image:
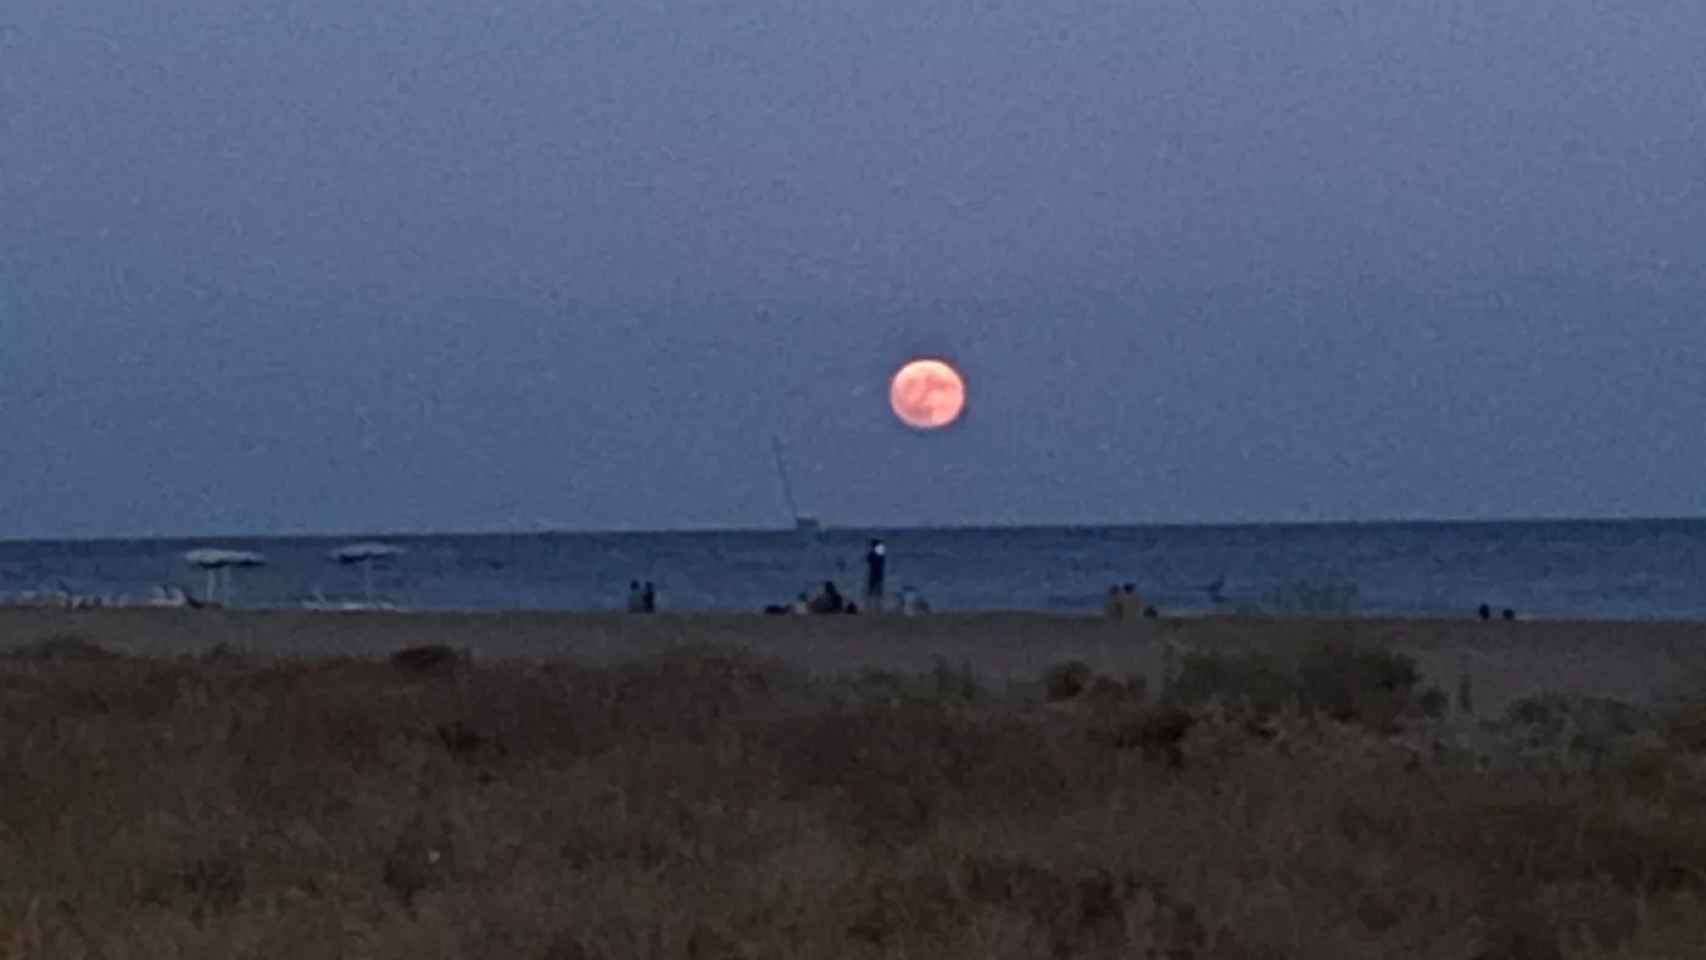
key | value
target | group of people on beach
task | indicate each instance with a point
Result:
(1123, 603)
(830, 600)
(642, 599)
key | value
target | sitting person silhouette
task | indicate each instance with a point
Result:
(829, 600)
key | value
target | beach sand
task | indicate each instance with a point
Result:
(1635, 662)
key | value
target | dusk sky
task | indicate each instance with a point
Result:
(420, 265)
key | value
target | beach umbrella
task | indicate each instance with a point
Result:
(366, 553)
(216, 559)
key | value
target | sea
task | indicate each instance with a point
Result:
(1604, 569)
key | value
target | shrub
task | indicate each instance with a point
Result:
(1351, 684)
(434, 659)
(1064, 681)
(1433, 702)
(62, 646)
(1367, 685)
(953, 684)
(1256, 681)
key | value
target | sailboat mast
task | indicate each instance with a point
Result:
(787, 486)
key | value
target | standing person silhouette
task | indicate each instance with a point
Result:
(876, 568)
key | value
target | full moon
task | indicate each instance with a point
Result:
(927, 394)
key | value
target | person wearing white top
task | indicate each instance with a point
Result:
(876, 564)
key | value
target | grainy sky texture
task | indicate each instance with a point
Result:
(346, 265)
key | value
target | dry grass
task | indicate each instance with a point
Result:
(711, 804)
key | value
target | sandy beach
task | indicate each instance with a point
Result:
(1636, 662)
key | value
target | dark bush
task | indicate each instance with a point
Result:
(1364, 685)
(1064, 681)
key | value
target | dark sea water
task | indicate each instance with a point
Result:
(1635, 569)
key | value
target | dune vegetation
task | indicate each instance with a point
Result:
(710, 803)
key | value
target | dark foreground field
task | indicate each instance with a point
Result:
(707, 803)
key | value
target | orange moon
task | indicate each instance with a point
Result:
(927, 394)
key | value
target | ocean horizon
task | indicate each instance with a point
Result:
(977, 526)
(1615, 568)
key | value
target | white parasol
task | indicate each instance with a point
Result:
(216, 559)
(366, 553)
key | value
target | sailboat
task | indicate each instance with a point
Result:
(804, 524)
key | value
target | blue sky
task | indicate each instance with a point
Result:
(411, 266)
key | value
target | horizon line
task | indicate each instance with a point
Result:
(830, 528)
